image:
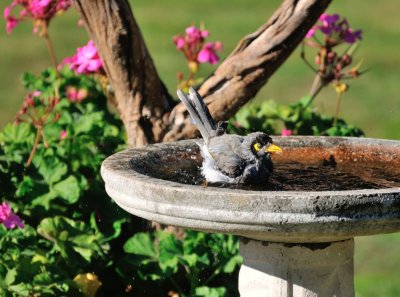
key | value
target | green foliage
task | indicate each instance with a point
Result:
(300, 117)
(198, 264)
(72, 227)
(26, 268)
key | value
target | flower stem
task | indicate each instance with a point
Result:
(338, 101)
(50, 47)
(35, 144)
(317, 86)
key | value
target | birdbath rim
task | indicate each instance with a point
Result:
(281, 216)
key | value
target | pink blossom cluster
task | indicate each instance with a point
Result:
(194, 47)
(86, 60)
(76, 94)
(36, 109)
(42, 11)
(9, 219)
(336, 29)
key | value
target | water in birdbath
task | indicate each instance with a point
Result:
(294, 170)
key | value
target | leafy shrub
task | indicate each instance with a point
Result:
(300, 118)
(73, 228)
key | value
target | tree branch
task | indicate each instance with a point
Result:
(251, 64)
(143, 102)
(141, 97)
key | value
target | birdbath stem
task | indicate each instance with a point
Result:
(300, 270)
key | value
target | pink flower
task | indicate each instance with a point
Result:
(42, 11)
(76, 95)
(63, 134)
(328, 22)
(193, 47)
(179, 41)
(11, 21)
(194, 34)
(207, 54)
(86, 60)
(9, 219)
(311, 32)
(351, 36)
(335, 29)
(286, 132)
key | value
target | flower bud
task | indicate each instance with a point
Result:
(179, 76)
(317, 60)
(330, 57)
(346, 60)
(193, 66)
(338, 75)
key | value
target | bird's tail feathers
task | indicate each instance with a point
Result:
(199, 112)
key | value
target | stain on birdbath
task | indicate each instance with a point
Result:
(298, 229)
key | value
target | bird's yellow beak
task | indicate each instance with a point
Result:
(273, 148)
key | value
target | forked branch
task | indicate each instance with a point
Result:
(146, 109)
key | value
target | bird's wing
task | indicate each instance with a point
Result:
(224, 150)
(199, 113)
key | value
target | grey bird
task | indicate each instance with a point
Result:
(229, 158)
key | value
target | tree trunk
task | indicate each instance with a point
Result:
(146, 108)
(141, 97)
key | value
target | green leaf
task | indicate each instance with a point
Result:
(232, 264)
(25, 186)
(50, 168)
(10, 276)
(20, 289)
(169, 251)
(87, 122)
(68, 189)
(75, 240)
(45, 200)
(210, 292)
(141, 244)
(17, 133)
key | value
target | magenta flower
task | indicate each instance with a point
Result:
(335, 29)
(286, 132)
(86, 60)
(194, 34)
(351, 36)
(11, 21)
(9, 219)
(193, 46)
(41, 11)
(328, 23)
(207, 54)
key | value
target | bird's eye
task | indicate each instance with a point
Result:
(257, 146)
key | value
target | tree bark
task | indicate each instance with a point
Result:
(251, 64)
(141, 98)
(146, 108)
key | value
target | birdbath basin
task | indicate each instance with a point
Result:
(297, 230)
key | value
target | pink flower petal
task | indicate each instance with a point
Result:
(286, 132)
(8, 218)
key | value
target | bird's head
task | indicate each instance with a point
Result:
(261, 145)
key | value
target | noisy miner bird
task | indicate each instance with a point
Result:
(229, 158)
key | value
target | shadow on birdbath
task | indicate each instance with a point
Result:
(297, 230)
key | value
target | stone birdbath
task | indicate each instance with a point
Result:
(297, 232)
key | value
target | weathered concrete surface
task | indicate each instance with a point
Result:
(269, 216)
(300, 270)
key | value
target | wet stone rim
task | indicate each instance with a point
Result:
(274, 216)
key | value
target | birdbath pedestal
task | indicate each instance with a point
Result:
(294, 243)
